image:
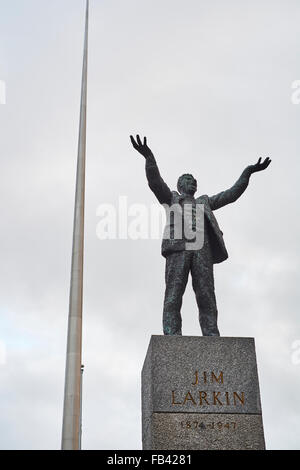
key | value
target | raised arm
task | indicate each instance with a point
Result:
(233, 193)
(155, 181)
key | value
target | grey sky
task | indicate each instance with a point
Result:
(209, 83)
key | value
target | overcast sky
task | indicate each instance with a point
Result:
(209, 83)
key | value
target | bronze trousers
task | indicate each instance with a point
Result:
(178, 266)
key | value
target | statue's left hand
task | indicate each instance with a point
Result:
(260, 166)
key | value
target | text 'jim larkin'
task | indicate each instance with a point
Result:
(201, 397)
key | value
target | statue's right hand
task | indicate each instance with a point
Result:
(142, 148)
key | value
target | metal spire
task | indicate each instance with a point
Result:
(72, 395)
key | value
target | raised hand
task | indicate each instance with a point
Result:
(142, 148)
(260, 166)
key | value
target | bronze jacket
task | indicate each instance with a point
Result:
(168, 197)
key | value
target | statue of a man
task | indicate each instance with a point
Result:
(181, 261)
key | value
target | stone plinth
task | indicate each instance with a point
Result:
(201, 393)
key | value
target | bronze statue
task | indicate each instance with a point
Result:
(181, 261)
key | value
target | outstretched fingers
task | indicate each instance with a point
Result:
(133, 142)
(262, 165)
(137, 143)
(267, 162)
(138, 140)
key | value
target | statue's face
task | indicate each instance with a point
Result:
(188, 185)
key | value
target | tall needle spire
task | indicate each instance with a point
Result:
(72, 398)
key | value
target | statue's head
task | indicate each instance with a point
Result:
(187, 184)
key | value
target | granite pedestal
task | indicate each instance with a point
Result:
(201, 393)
